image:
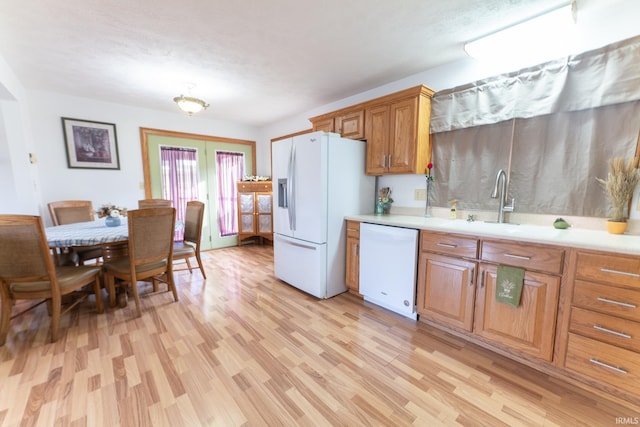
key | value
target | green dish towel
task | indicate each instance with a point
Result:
(509, 285)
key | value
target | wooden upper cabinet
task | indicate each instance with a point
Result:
(395, 126)
(325, 125)
(397, 133)
(402, 135)
(377, 130)
(349, 123)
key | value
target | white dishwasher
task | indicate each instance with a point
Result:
(388, 264)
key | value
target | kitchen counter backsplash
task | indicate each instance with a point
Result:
(587, 233)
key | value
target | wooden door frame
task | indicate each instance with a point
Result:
(144, 142)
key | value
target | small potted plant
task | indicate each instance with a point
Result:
(383, 205)
(620, 185)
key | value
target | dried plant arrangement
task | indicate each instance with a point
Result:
(620, 185)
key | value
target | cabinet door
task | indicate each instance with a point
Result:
(403, 136)
(246, 203)
(351, 125)
(377, 134)
(528, 328)
(352, 276)
(263, 211)
(325, 125)
(446, 290)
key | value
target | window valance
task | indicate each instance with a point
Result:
(601, 77)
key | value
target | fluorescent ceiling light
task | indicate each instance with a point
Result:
(549, 34)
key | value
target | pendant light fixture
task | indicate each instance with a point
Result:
(190, 104)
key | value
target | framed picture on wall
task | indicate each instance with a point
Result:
(90, 145)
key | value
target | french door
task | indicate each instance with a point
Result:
(206, 148)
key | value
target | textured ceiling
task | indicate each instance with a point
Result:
(254, 61)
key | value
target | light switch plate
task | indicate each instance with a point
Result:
(420, 194)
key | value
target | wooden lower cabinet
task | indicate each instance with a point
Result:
(447, 292)
(528, 328)
(602, 326)
(450, 294)
(603, 362)
(578, 317)
(352, 266)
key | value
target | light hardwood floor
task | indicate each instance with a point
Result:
(244, 349)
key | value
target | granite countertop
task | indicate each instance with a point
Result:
(571, 237)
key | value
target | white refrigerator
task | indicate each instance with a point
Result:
(318, 179)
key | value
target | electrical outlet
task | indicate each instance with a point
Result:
(420, 194)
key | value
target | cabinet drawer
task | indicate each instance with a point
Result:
(353, 229)
(613, 269)
(532, 257)
(604, 362)
(607, 299)
(449, 244)
(257, 186)
(602, 327)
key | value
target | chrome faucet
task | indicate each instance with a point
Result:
(503, 196)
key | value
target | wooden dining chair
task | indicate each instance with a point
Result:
(70, 212)
(190, 246)
(150, 253)
(27, 272)
(154, 203)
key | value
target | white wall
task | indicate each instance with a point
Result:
(123, 187)
(18, 178)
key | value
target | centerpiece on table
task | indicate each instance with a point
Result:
(112, 214)
(620, 185)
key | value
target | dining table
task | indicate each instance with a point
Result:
(92, 233)
(113, 240)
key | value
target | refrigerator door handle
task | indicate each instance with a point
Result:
(290, 190)
(299, 245)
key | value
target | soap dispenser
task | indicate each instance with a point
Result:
(454, 208)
